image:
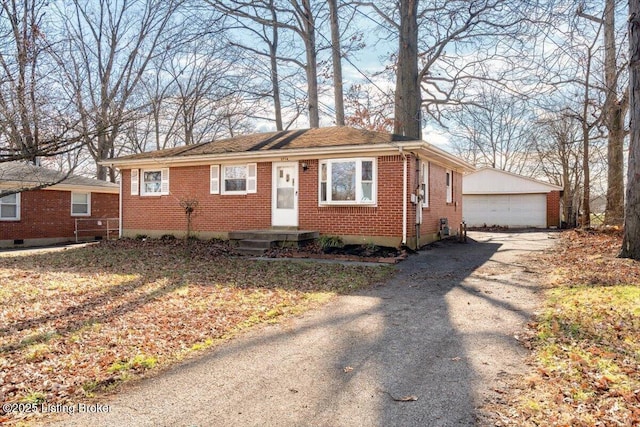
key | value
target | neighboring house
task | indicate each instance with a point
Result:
(495, 197)
(48, 215)
(339, 181)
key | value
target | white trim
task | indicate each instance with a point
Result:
(284, 217)
(164, 185)
(17, 204)
(551, 187)
(27, 186)
(250, 178)
(120, 209)
(88, 194)
(449, 185)
(405, 216)
(358, 190)
(164, 182)
(435, 155)
(214, 179)
(425, 182)
(135, 182)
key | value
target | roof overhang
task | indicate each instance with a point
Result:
(420, 148)
(61, 187)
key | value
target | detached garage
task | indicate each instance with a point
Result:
(495, 197)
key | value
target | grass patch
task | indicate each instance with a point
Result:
(74, 323)
(586, 342)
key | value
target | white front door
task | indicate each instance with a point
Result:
(284, 197)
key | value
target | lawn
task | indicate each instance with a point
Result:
(76, 323)
(585, 341)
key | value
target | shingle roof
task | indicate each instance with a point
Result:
(33, 175)
(289, 139)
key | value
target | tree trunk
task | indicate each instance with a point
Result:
(631, 241)
(408, 120)
(614, 123)
(586, 194)
(275, 83)
(312, 63)
(586, 189)
(275, 78)
(337, 63)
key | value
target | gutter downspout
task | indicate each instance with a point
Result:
(404, 198)
(418, 203)
(120, 210)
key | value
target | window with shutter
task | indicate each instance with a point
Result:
(155, 182)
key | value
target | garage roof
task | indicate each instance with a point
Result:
(495, 181)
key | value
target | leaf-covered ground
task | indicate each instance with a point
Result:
(78, 322)
(586, 341)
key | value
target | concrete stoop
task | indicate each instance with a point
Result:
(257, 242)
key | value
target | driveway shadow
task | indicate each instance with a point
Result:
(425, 349)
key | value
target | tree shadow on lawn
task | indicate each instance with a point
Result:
(180, 265)
(415, 351)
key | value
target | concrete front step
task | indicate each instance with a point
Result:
(257, 242)
(251, 251)
(276, 235)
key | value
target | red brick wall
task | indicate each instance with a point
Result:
(553, 209)
(47, 214)
(438, 206)
(385, 219)
(219, 213)
(214, 213)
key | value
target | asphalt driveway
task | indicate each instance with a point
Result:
(426, 349)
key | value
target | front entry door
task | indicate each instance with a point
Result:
(285, 195)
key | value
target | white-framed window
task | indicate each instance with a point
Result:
(80, 204)
(424, 184)
(155, 182)
(238, 179)
(347, 181)
(449, 183)
(10, 207)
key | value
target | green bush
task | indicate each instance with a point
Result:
(326, 242)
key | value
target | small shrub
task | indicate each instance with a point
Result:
(326, 242)
(369, 249)
(141, 237)
(167, 237)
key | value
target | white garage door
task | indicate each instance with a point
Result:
(511, 210)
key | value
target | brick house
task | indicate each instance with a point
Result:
(49, 215)
(361, 185)
(496, 197)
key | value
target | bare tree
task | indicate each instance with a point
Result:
(445, 44)
(295, 16)
(614, 111)
(631, 240)
(559, 148)
(496, 129)
(110, 47)
(336, 59)
(571, 65)
(368, 108)
(33, 120)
